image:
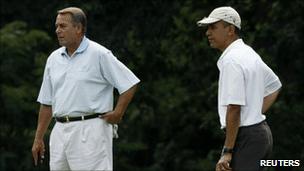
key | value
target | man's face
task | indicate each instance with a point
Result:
(217, 34)
(66, 31)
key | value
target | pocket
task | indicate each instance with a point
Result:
(79, 74)
(84, 68)
(93, 139)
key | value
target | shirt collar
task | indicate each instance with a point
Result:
(82, 47)
(231, 46)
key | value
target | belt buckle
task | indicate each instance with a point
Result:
(67, 118)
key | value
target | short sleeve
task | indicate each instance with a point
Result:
(272, 82)
(45, 94)
(232, 85)
(116, 73)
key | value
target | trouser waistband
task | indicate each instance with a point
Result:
(250, 126)
(65, 119)
(254, 125)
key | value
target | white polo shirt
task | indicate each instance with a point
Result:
(244, 80)
(83, 83)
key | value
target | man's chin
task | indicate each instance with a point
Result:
(61, 43)
(212, 46)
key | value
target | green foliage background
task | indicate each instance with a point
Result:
(172, 124)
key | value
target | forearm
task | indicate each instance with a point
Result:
(124, 100)
(232, 124)
(44, 119)
(269, 100)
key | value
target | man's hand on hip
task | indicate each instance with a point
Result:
(112, 117)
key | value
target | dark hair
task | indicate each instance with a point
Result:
(238, 32)
(78, 16)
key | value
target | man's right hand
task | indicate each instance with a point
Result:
(38, 150)
(224, 163)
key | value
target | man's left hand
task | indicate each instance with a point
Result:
(112, 117)
(224, 163)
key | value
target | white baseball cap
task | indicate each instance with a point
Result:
(226, 14)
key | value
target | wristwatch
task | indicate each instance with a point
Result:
(227, 150)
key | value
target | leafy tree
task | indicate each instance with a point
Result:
(22, 61)
(172, 124)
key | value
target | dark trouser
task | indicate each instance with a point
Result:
(253, 144)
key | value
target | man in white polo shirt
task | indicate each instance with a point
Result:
(247, 88)
(77, 90)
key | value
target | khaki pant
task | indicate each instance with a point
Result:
(81, 145)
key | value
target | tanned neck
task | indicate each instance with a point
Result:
(71, 49)
(229, 41)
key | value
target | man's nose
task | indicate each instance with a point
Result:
(57, 30)
(207, 33)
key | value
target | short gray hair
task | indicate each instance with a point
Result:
(78, 16)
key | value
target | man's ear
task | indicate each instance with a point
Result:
(231, 30)
(79, 28)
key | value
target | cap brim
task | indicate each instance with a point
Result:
(206, 21)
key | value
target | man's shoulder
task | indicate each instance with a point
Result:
(241, 52)
(96, 47)
(56, 54)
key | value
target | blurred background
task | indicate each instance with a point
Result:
(172, 123)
